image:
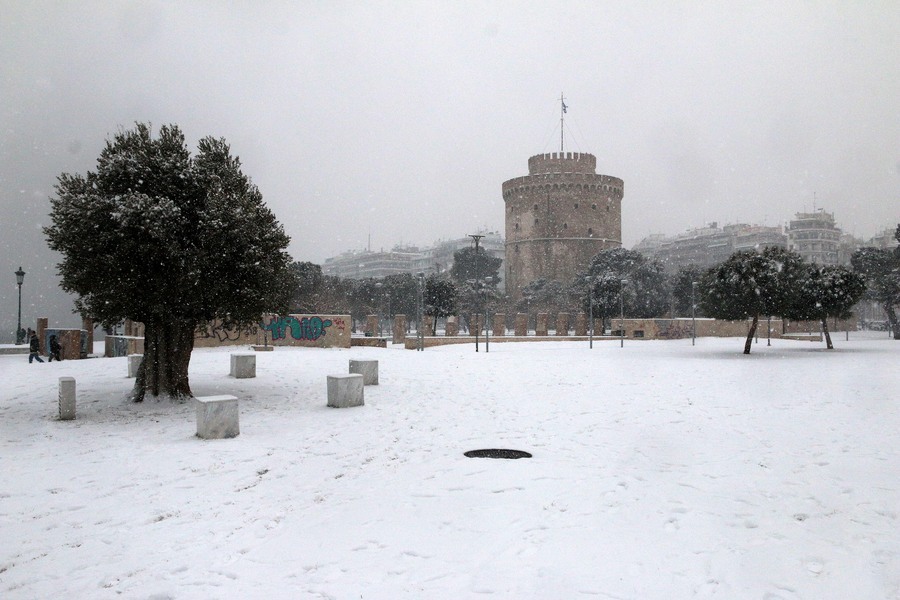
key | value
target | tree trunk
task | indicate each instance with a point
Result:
(892, 320)
(828, 344)
(750, 335)
(167, 355)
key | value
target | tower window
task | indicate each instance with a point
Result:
(565, 225)
(536, 221)
(590, 231)
(535, 207)
(607, 208)
(517, 248)
(594, 206)
(517, 226)
(576, 205)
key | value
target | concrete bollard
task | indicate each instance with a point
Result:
(345, 390)
(367, 368)
(134, 363)
(66, 398)
(217, 417)
(243, 366)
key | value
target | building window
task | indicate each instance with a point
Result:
(535, 207)
(576, 205)
(590, 231)
(517, 226)
(535, 221)
(565, 225)
(517, 248)
(594, 206)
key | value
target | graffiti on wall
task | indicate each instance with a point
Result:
(224, 332)
(307, 328)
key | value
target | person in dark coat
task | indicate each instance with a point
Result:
(54, 349)
(34, 347)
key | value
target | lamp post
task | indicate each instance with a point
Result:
(487, 335)
(590, 281)
(477, 238)
(20, 278)
(379, 286)
(622, 315)
(693, 313)
(420, 311)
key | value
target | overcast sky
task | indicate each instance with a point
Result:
(401, 120)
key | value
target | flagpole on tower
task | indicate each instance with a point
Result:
(562, 112)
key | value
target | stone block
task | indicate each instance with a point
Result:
(134, 363)
(372, 325)
(367, 368)
(243, 366)
(521, 324)
(217, 417)
(66, 398)
(499, 325)
(540, 328)
(399, 333)
(562, 324)
(581, 324)
(345, 390)
(476, 324)
(452, 326)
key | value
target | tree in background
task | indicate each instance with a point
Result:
(682, 290)
(309, 288)
(440, 299)
(644, 295)
(173, 241)
(543, 295)
(881, 269)
(750, 284)
(829, 291)
(400, 291)
(467, 267)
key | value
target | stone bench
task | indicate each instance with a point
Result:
(243, 366)
(217, 417)
(66, 398)
(134, 363)
(367, 368)
(345, 390)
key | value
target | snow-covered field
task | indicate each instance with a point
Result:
(660, 471)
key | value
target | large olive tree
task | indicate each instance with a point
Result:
(156, 235)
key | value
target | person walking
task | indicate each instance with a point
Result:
(34, 347)
(55, 349)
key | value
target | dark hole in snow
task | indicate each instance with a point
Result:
(497, 453)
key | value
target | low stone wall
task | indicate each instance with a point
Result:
(368, 342)
(122, 345)
(315, 331)
(73, 342)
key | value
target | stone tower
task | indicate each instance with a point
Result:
(558, 217)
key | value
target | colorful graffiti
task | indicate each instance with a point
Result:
(307, 328)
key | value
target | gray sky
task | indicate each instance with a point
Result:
(402, 119)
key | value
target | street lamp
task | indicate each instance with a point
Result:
(590, 281)
(420, 311)
(20, 277)
(477, 238)
(693, 313)
(487, 335)
(622, 313)
(378, 286)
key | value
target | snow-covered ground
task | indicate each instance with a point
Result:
(660, 470)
